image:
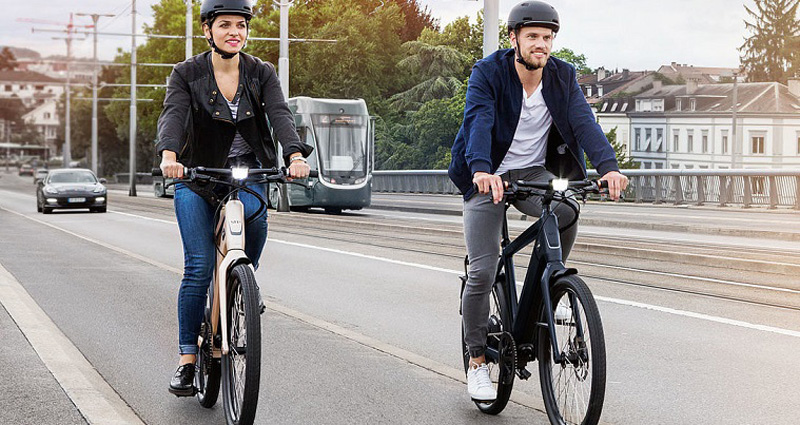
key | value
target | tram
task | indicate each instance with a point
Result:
(343, 136)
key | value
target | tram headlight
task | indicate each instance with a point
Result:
(239, 173)
(560, 185)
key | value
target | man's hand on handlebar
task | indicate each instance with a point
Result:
(170, 167)
(616, 183)
(489, 183)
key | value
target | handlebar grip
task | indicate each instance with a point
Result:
(313, 173)
(602, 184)
(156, 172)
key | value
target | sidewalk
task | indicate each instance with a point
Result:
(31, 395)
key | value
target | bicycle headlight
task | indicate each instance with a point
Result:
(239, 173)
(560, 185)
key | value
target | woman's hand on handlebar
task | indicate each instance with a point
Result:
(298, 169)
(616, 183)
(489, 183)
(170, 167)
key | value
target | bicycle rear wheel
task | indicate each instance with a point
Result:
(573, 389)
(206, 378)
(500, 351)
(241, 367)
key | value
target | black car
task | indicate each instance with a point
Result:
(71, 188)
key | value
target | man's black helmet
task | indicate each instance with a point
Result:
(212, 8)
(533, 13)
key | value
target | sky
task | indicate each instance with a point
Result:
(632, 34)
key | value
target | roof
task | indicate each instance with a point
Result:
(769, 97)
(26, 77)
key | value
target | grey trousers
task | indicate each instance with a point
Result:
(483, 224)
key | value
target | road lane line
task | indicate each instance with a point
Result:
(95, 399)
(683, 313)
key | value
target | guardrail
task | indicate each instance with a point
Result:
(758, 187)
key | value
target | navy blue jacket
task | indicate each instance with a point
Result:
(491, 114)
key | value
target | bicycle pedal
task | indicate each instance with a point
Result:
(523, 373)
(184, 393)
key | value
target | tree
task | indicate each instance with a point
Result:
(578, 61)
(7, 59)
(623, 160)
(437, 66)
(768, 53)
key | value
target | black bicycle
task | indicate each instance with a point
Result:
(555, 320)
(230, 334)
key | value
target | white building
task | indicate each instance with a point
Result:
(30, 87)
(44, 118)
(691, 126)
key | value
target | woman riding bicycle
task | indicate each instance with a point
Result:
(215, 115)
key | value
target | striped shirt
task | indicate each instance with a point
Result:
(239, 146)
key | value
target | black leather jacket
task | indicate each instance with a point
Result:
(196, 122)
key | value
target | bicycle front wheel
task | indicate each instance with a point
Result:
(574, 388)
(241, 367)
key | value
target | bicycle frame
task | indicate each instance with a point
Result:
(545, 266)
(230, 240)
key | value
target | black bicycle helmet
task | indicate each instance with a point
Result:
(211, 8)
(533, 13)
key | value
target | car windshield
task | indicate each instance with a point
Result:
(73, 177)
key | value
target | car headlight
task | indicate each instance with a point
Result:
(99, 189)
(50, 190)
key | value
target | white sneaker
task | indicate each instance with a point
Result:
(479, 384)
(563, 314)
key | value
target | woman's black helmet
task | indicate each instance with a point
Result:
(533, 13)
(211, 8)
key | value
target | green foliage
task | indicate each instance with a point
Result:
(769, 53)
(7, 59)
(439, 68)
(578, 61)
(625, 162)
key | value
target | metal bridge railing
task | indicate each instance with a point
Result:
(757, 187)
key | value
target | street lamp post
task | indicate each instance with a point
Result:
(95, 17)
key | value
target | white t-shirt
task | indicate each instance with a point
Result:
(529, 146)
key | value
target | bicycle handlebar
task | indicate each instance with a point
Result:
(201, 173)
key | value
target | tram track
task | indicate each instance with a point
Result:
(748, 281)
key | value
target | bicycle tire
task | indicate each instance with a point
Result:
(207, 375)
(502, 376)
(584, 360)
(241, 367)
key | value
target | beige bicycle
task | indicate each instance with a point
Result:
(230, 334)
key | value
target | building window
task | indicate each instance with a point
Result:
(758, 144)
(724, 142)
(588, 91)
(647, 140)
(47, 115)
(678, 104)
(659, 140)
(676, 141)
(693, 104)
(605, 106)
(39, 88)
(705, 141)
(658, 105)
(690, 142)
(7, 87)
(599, 91)
(637, 138)
(625, 107)
(798, 142)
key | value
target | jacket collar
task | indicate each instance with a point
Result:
(216, 103)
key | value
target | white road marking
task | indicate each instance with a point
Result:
(91, 394)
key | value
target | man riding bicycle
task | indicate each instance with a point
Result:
(215, 115)
(525, 118)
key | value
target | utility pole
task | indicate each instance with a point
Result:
(132, 141)
(283, 76)
(491, 16)
(735, 146)
(95, 17)
(189, 25)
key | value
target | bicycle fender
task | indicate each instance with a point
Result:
(562, 272)
(232, 258)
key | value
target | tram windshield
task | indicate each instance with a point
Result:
(342, 147)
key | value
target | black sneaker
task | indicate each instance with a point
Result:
(182, 384)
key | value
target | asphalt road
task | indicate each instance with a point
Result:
(362, 333)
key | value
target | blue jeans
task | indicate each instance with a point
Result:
(196, 223)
